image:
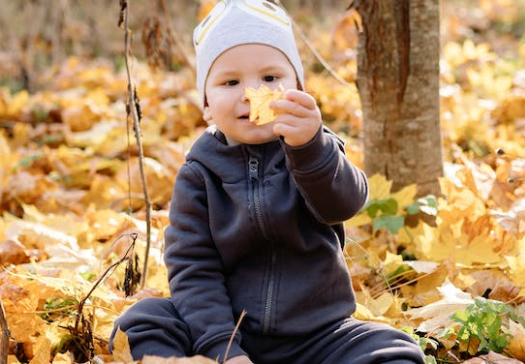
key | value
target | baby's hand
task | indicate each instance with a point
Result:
(239, 359)
(299, 118)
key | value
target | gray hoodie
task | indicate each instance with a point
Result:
(259, 228)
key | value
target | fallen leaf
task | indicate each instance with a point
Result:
(42, 354)
(12, 252)
(379, 187)
(517, 267)
(493, 282)
(516, 346)
(121, 348)
(493, 358)
(437, 314)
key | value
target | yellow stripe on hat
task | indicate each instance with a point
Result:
(266, 13)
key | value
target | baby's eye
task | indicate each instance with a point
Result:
(269, 78)
(231, 83)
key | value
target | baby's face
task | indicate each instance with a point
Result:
(248, 65)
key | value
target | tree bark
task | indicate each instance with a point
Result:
(398, 82)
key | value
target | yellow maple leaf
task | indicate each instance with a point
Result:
(379, 187)
(405, 197)
(122, 350)
(377, 306)
(436, 244)
(260, 98)
(517, 266)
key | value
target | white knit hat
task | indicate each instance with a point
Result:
(234, 22)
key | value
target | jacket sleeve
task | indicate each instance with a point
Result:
(195, 270)
(334, 189)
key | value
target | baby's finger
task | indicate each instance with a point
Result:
(302, 98)
(289, 107)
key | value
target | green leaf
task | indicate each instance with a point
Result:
(412, 209)
(391, 223)
(386, 206)
(460, 316)
(389, 206)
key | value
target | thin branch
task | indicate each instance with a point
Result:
(314, 51)
(6, 334)
(133, 109)
(101, 279)
(174, 37)
(243, 313)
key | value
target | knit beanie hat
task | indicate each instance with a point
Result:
(234, 22)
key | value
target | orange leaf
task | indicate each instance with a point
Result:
(260, 98)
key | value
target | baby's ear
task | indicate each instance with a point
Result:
(206, 115)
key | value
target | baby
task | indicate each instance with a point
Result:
(256, 218)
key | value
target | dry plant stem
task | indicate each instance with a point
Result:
(174, 37)
(136, 128)
(316, 54)
(101, 279)
(243, 313)
(59, 17)
(4, 342)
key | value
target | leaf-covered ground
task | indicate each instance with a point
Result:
(450, 270)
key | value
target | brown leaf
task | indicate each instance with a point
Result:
(12, 252)
(495, 283)
(495, 358)
(476, 360)
(516, 347)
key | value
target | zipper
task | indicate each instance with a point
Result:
(270, 292)
(253, 169)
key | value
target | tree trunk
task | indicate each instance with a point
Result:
(398, 82)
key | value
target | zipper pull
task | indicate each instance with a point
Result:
(253, 167)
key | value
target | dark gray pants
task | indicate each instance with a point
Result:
(154, 327)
